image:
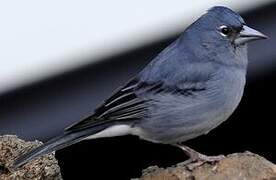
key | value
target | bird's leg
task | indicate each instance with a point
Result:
(198, 157)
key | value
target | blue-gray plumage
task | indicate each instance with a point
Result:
(187, 90)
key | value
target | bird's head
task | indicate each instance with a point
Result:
(230, 27)
(219, 31)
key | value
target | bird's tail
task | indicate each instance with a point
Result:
(57, 143)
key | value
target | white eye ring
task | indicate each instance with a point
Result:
(224, 30)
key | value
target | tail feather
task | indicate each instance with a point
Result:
(57, 143)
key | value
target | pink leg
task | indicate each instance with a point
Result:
(198, 157)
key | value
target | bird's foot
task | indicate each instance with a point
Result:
(197, 159)
(204, 158)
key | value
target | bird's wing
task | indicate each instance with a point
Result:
(132, 102)
(123, 105)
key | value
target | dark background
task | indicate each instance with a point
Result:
(42, 110)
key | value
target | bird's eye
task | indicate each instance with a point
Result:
(224, 30)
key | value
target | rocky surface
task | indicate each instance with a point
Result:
(43, 168)
(238, 166)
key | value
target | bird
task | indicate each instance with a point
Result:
(187, 90)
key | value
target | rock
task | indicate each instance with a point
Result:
(43, 168)
(237, 166)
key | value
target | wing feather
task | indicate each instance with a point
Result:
(131, 102)
(124, 104)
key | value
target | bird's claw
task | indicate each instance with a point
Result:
(210, 159)
(197, 159)
(194, 162)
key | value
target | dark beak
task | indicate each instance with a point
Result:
(248, 34)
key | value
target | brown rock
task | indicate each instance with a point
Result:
(237, 166)
(43, 168)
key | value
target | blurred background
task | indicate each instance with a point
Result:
(60, 59)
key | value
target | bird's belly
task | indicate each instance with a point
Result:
(179, 125)
(230, 98)
(172, 134)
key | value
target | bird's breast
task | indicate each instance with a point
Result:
(229, 91)
(231, 87)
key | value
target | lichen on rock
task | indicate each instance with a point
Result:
(43, 168)
(238, 166)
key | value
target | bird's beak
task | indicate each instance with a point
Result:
(248, 34)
